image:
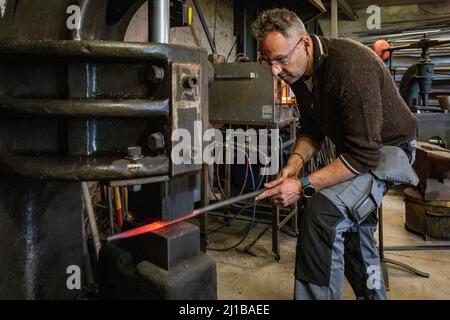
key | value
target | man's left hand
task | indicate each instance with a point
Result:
(283, 191)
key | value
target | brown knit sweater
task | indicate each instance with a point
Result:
(354, 101)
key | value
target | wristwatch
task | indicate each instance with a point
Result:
(307, 187)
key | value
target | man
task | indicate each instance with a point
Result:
(345, 92)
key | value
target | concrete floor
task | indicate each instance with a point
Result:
(247, 277)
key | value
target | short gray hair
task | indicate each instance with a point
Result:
(281, 20)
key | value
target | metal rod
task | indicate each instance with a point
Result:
(205, 26)
(380, 232)
(162, 224)
(418, 248)
(110, 209)
(287, 218)
(159, 21)
(221, 204)
(133, 182)
(91, 217)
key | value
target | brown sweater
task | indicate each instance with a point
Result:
(355, 102)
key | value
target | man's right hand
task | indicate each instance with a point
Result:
(289, 171)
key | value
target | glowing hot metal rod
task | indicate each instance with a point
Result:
(162, 224)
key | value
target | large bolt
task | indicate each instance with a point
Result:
(189, 82)
(155, 74)
(134, 153)
(156, 142)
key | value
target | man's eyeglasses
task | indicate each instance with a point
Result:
(283, 59)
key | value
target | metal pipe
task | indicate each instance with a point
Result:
(98, 168)
(334, 18)
(91, 217)
(129, 108)
(159, 21)
(86, 50)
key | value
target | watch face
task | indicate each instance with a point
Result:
(309, 191)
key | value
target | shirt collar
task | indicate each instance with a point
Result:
(320, 51)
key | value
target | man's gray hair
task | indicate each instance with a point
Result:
(281, 20)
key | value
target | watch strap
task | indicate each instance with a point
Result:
(305, 181)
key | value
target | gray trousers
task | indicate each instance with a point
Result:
(353, 251)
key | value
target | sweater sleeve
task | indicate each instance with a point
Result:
(362, 116)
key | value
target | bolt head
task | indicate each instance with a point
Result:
(156, 142)
(134, 152)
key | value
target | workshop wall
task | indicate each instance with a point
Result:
(218, 15)
(393, 19)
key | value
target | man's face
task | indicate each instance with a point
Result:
(286, 56)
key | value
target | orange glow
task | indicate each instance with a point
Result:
(282, 93)
(150, 227)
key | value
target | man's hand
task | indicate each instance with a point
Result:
(283, 191)
(289, 171)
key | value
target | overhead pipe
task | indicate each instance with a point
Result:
(334, 18)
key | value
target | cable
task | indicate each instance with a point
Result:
(224, 224)
(208, 173)
(250, 226)
(215, 22)
(218, 175)
(220, 185)
(261, 180)
(229, 53)
(245, 206)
